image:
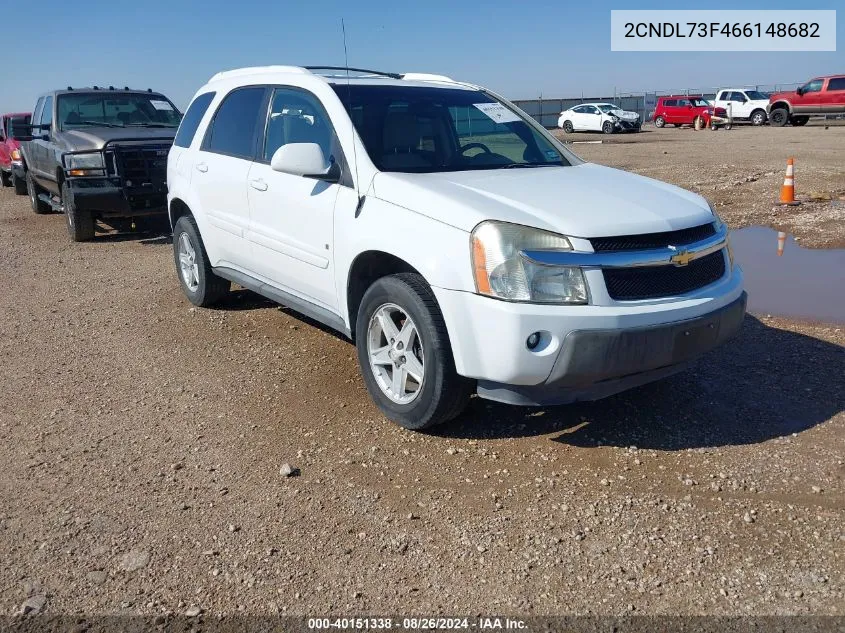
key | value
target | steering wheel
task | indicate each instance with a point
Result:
(481, 146)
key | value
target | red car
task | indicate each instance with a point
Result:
(822, 95)
(683, 110)
(12, 128)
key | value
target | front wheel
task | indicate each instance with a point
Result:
(758, 117)
(5, 179)
(779, 117)
(199, 283)
(19, 185)
(405, 355)
(80, 224)
(659, 122)
(607, 127)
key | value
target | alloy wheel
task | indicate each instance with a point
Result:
(396, 354)
(188, 263)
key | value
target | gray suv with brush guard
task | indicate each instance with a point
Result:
(98, 153)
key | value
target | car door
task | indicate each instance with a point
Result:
(833, 96)
(5, 158)
(220, 172)
(291, 216)
(38, 153)
(808, 101)
(592, 118)
(669, 110)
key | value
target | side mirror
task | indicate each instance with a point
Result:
(306, 160)
(800, 91)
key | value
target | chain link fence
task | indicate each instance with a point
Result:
(546, 111)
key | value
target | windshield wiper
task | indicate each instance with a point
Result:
(97, 123)
(528, 165)
(145, 124)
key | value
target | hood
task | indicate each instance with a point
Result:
(586, 200)
(96, 137)
(625, 115)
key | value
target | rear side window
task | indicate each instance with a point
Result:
(670, 103)
(837, 83)
(233, 129)
(191, 120)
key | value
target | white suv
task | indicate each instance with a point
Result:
(460, 245)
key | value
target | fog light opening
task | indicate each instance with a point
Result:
(532, 341)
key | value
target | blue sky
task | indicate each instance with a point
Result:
(520, 49)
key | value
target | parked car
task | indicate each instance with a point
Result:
(456, 241)
(598, 117)
(13, 127)
(681, 110)
(99, 153)
(822, 95)
(745, 105)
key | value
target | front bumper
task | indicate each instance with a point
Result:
(488, 339)
(106, 198)
(627, 126)
(595, 364)
(18, 170)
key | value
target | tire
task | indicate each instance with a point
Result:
(779, 117)
(203, 288)
(19, 185)
(5, 179)
(607, 127)
(80, 224)
(38, 205)
(567, 127)
(758, 117)
(659, 121)
(798, 121)
(400, 307)
(728, 126)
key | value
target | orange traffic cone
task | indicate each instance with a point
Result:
(787, 191)
(781, 242)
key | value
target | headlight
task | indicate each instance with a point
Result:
(16, 154)
(718, 224)
(503, 271)
(84, 162)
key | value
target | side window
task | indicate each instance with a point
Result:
(191, 120)
(683, 103)
(738, 96)
(670, 103)
(592, 110)
(813, 86)
(47, 112)
(36, 114)
(836, 83)
(724, 96)
(232, 131)
(296, 117)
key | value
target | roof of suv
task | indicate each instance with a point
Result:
(337, 75)
(99, 89)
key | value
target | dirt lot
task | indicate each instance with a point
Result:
(142, 441)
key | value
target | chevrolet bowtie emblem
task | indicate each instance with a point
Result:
(681, 259)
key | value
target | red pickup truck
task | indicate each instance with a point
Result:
(822, 95)
(12, 127)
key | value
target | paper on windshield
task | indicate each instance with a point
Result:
(161, 105)
(497, 112)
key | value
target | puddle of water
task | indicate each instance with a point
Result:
(804, 283)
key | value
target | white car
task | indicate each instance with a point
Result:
(743, 105)
(598, 117)
(460, 245)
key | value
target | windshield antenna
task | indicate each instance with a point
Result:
(351, 122)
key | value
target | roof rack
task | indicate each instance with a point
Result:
(345, 69)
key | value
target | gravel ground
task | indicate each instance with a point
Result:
(741, 171)
(147, 447)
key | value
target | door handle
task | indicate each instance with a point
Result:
(202, 167)
(258, 183)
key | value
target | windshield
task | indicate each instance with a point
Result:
(116, 110)
(608, 107)
(428, 129)
(754, 95)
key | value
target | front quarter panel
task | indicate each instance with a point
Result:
(438, 251)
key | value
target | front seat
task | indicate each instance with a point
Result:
(401, 139)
